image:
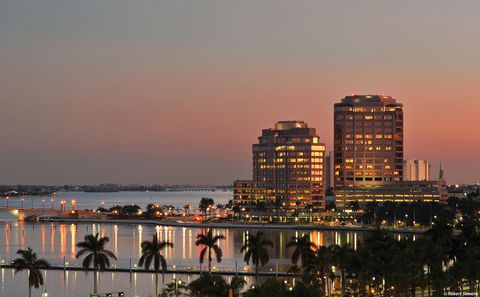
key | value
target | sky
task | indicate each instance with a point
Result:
(151, 91)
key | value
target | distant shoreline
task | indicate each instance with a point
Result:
(237, 225)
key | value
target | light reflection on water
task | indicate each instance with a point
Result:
(57, 241)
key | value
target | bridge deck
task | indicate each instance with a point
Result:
(171, 271)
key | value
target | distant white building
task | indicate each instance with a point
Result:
(416, 170)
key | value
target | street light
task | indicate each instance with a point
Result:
(51, 200)
(43, 204)
(8, 198)
(22, 202)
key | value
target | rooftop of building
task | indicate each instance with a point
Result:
(369, 99)
(287, 125)
(289, 129)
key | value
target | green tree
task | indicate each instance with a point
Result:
(321, 265)
(255, 248)
(209, 242)
(28, 261)
(271, 287)
(206, 203)
(208, 285)
(97, 255)
(341, 255)
(378, 250)
(151, 252)
(174, 289)
(303, 249)
(236, 285)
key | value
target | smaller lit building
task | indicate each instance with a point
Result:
(416, 170)
(246, 193)
(456, 191)
(405, 191)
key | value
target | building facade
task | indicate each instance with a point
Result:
(329, 171)
(416, 170)
(368, 141)
(400, 192)
(368, 149)
(288, 171)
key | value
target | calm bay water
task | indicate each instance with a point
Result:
(94, 200)
(56, 243)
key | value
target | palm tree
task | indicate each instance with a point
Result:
(322, 263)
(236, 285)
(95, 248)
(210, 243)
(255, 249)
(28, 261)
(151, 251)
(304, 249)
(341, 256)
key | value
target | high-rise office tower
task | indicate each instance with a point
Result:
(416, 170)
(288, 170)
(288, 162)
(368, 141)
(368, 148)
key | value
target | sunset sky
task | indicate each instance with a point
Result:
(154, 91)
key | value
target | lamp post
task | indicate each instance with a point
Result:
(22, 202)
(43, 204)
(73, 204)
(8, 198)
(62, 205)
(51, 200)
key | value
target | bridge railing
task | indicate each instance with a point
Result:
(229, 266)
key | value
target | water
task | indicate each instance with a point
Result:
(56, 242)
(94, 200)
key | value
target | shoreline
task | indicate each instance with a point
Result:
(237, 225)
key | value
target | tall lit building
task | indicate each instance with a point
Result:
(368, 141)
(288, 171)
(368, 148)
(416, 170)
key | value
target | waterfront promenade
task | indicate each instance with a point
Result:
(243, 225)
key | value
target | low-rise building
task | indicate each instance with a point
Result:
(404, 191)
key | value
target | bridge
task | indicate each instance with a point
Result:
(25, 213)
